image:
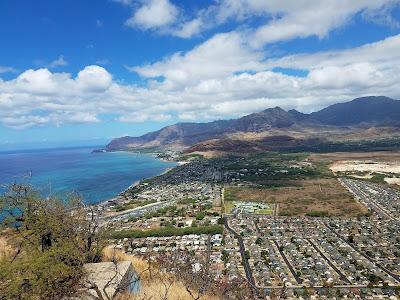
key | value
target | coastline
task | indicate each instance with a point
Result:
(137, 182)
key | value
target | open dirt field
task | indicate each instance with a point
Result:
(377, 156)
(393, 180)
(365, 166)
(314, 197)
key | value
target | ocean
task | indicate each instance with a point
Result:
(94, 176)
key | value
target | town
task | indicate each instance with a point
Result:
(314, 255)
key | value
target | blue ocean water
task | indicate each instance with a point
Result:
(95, 176)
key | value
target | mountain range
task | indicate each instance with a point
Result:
(364, 117)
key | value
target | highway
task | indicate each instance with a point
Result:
(137, 212)
(366, 193)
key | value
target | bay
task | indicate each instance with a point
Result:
(95, 176)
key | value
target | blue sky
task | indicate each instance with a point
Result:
(83, 72)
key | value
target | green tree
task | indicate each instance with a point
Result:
(52, 239)
(200, 215)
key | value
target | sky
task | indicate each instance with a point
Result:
(77, 72)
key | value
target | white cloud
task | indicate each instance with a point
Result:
(280, 20)
(153, 14)
(310, 18)
(360, 75)
(188, 29)
(220, 78)
(4, 69)
(124, 2)
(219, 56)
(94, 78)
(385, 52)
(142, 117)
(227, 75)
(59, 62)
(383, 16)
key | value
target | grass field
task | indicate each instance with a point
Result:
(314, 197)
(230, 196)
(229, 206)
(264, 211)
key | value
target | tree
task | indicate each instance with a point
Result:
(350, 239)
(52, 239)
(200, 215)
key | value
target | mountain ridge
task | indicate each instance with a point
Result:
(369, 111)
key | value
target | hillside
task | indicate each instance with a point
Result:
(370, 110)
(363, 112)
(182, 135)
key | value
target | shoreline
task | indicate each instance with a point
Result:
(104, 203)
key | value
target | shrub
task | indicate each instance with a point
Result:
(167, 231)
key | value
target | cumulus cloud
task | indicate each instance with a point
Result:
(385, 52)
(280, 20)
(93, 78)
(221, 78)
(219, 56)
(153, 14)
(227, 75)
(308, 18)
(188, 29)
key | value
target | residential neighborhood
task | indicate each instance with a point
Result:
(291, 256)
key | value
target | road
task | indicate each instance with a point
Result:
(292, 270)
(137, 212)
(247, 269)
(298, 279)
(342, 276)
(257, 228)
(276, 209)
(365, 197)
(393, 275)
(217, 200)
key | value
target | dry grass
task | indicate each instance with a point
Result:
(6, 248)
(322, 195)
(155, 284)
